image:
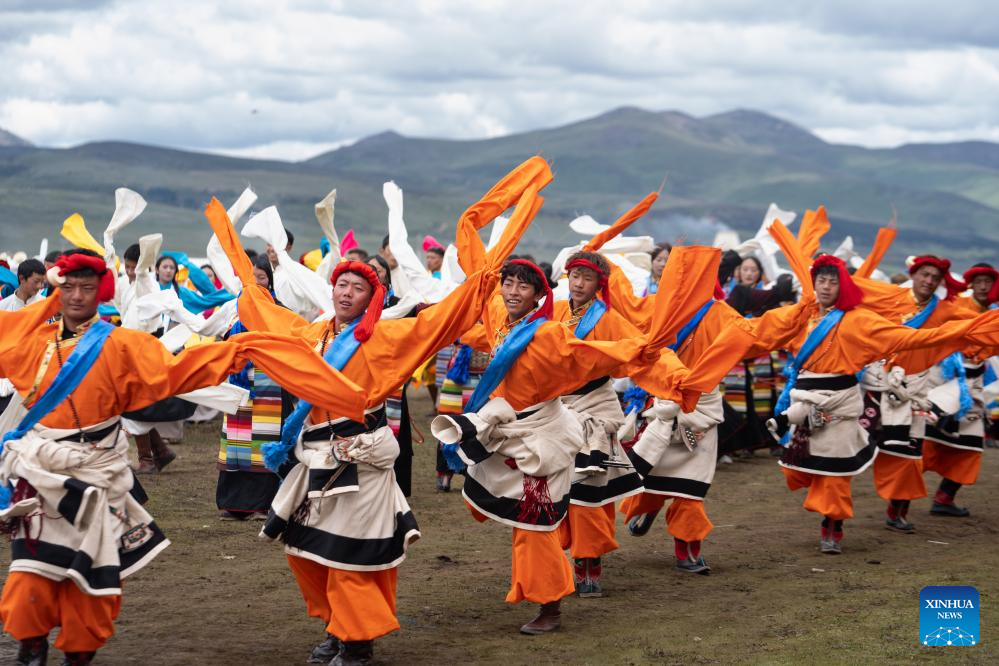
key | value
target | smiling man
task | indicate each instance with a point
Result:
(77, 528)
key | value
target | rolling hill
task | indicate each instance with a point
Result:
(723, 170)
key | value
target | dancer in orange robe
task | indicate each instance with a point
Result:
(75, 516)
(346, 547)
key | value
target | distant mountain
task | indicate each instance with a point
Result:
(723, 171)
(7, 139)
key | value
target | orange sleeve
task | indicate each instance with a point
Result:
(865, 337)
(688, 282)
(259, 312)
(622, 223)
(257, 309)
(152, 373)
(20, 326)
(476, 338)
(400, 346)
(814, 225)
(471, 249)
(636, 309)
(886, 236)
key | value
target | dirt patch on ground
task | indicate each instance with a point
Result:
(220, 595)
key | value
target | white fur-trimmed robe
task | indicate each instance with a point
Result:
(356, 519)
(600, 414)
(85, 525)
(665, 463)
(542, 440)
(840, 447)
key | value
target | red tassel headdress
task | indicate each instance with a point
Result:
(374, 310)
(850, 295)
(69, 263)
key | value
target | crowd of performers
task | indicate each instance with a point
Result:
(612, 380)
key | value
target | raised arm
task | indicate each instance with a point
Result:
(154, 373)
(875, 337)
(257, 310)
(17, 326)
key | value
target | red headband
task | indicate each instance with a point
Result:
(580, 262)
(69, 263)
(374, 311)
(850, 295)
(546, 310)
(954, 287)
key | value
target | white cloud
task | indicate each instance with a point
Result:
(287, 79)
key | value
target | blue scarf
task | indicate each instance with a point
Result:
(922, 317)
(952, 367)
(70, 375)
(691, 325)
(795, 364)
(634, 399)
(590, 319)
(339, 353)
(506, 355)
(459, 371)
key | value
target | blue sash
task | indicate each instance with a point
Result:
(922, 317)
(590, 318)
(812, 343)
(506, 354)
(691, 325)
(339, 353)
(70, 375)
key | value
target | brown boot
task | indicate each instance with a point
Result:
(147, 464)
(162, 454)
(549, 619)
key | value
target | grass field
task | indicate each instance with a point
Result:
(220, 595)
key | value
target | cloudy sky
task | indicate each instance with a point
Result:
(290, 79)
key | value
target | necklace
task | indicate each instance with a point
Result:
(506, 327)
(576, 314)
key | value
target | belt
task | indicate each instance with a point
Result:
(590, 387)
(836, 383)
(972, 373)
(91, 436)
(372, 421)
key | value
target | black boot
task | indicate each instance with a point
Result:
(78, 658)
(354, 653)
(322, 653)
(33, 651)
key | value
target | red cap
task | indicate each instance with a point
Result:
(954, 287)
(374, 311)
(850, 295)
(68, 263)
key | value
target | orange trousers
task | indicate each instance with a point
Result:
(539, 571)
(588, 531)
(952, 463)
(32, 606)
(898, 478)
(686, 518)
(355, 605)
(827, 495)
